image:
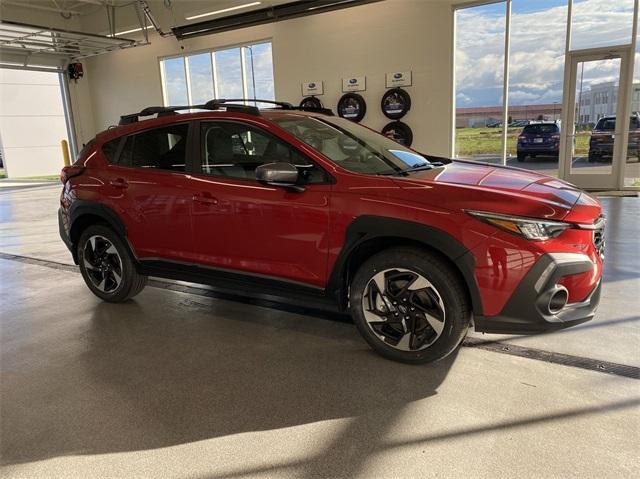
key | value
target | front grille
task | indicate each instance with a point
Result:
(598, 238)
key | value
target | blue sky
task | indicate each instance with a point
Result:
(538, 29)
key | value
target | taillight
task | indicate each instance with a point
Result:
(555, 137)
(70, 171)
(522, 137)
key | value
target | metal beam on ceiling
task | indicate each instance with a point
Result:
(32, 39)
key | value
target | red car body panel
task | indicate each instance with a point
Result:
(245, 226)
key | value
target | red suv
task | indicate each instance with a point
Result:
(285, 203)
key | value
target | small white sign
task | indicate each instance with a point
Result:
(315, 87)
(354, 84)
(395, 79)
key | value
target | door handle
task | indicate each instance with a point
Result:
(119, 183)
(205, 199)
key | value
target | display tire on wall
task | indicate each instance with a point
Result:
(352, 107)
(395, 103)
(311, 102)
(410, 305)
(107, 266)
(398, 131)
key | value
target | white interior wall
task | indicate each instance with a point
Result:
(32, 123)
(366, 40)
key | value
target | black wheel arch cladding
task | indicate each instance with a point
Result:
(387, 232)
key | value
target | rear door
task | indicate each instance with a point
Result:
(151, 189)
(243, 225)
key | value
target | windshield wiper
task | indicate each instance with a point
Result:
(426, 166)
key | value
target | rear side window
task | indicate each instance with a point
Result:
(110, 150)
(606, 124)
(161, 149)
(610, 123)
(540, 129)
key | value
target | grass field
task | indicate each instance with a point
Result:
(478, 141)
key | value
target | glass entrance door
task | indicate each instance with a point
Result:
(591, 142)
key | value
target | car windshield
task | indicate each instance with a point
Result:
(540, 129)
(353, 146)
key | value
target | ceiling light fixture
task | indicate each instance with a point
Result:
(224, 10)
(127, 31)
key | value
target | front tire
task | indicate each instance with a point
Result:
(106, 265)
(410, 305)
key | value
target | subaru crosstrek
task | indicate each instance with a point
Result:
(306, 207)
(539, 139)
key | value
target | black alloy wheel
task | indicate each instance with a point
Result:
(403, 309)
(395, 103)
(311, 103)
(107, 265)
(352, 107)
(410, 305)
(103, 263)
(398, 131)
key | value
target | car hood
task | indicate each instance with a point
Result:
(501, 189)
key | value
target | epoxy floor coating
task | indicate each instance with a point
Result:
(179, 384)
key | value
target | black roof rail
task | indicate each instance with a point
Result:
(237, 105)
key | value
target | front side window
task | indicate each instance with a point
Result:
(353, 146)
(236, 150)
(160, 149)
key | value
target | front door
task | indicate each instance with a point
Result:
(592, 154)
(243, 225)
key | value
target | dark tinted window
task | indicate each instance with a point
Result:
(85, 148)
(161, 149)
(110, 149)
(610, 123)
(541, 129)
(236, 150)
(606, 124)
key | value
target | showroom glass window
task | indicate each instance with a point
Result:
(479, 57)
(537, 43)
(240, 72)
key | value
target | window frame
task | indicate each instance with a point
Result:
(198, 143)
(189, 150)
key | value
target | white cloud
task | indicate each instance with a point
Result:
(537, 49)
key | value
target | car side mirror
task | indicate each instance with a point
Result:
(279, 174)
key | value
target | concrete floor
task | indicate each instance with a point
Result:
(175, 384)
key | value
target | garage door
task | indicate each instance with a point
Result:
(32, 123)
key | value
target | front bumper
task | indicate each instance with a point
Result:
(528, 312)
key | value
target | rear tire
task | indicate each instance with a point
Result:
(107, 265)
(521, 157)
(410, 305)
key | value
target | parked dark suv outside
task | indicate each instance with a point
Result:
(603, 135)
(305, 207)
(539, 139)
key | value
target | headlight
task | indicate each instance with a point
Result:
(532, 229)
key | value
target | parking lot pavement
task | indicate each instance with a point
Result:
(197, 386)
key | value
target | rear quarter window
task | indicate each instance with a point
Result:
(110, 150)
